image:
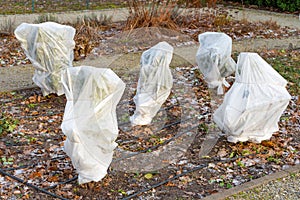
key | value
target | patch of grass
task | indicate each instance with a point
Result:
(273, 159)
(31, 105)
(7, 124)
(240, 164)
(203, 127)
(7, 161)
(288, 65)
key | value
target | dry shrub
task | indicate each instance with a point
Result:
(206, 19)
(197, 22)
(95, 21)
(199, 3)
(221, 20)
(270, 24)
(87, 34)
(152, 13)
(86, 38)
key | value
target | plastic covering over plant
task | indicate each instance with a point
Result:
(214, 59)
(49, 46)
(252, 107)
(155, 83)
(90, 121)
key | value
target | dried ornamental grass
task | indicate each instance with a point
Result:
(152, 14)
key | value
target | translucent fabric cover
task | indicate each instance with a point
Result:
(214, 59)
(154, 84)
(253, 106)
(90, 121)
(49, 46)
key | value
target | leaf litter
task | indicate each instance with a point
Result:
(33, 150)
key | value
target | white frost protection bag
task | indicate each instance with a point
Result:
(252, 107)
(214, 59)
(90, 121)
(154, 84)
(49, 46)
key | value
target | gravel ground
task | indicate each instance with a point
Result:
(284, 188)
